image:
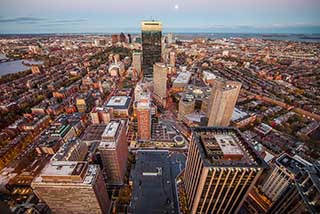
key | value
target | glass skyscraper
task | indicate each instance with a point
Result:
(151, 45)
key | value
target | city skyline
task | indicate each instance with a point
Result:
(153, 107)
(246, 16)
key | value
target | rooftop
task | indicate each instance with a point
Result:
(110, 134)
(120, 102)
(63, 168)
(238, 114)
(183, 77)
(93, 133)
(225, 146)
(67, 172)
(293, 164)
(71, 144)
(153, 175)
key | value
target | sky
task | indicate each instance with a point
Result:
(110, 16)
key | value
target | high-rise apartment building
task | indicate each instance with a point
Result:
(221, 169)
(144, 119)
(114, 151)
(137, 61)
(160, 71)
(72, 187)
(151, 32)
(293, 186)
(223, 98)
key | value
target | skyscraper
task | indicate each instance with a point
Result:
(72, 187)
(293, 186)
(122, 37)
(151, 45)
(160, 83)
(114, 151)
(221, 169)
(223, 98)
(144, 119)
(137, 61)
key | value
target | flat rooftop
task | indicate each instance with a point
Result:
(237, 114)
(293, 164)
(56, 168)
(93, 133)
(153, 177)
(228, 144)
(119, 102)
(110, 133)
(65, 148)
(67, 172)
(111, 130)
(183, 77)
(143, 104)
(225, 146)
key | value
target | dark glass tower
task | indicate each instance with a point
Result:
(151, 45)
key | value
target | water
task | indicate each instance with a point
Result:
(281, 37)
(16, 65)
(2, 56)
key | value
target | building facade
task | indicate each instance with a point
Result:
(293, 186)
(114, 151)
(151, 32)
(71, 187)
(220, 171)
(186, 106)
(160, 83)
(223, 98)
(137, 61)
(144, 119)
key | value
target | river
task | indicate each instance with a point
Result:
(15, 66)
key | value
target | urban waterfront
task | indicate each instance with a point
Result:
(16, 66)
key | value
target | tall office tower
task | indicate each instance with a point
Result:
(172, 59)
(73, 150)
(72, 187)
(151, 45)
(114, 151)
(123, 37)
(186, 105)
(144, 119)
(293, 186)
(221, 169)
(223, 98)
(160, 83)
(137, 61)
(170, 38)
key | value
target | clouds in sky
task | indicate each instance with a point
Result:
(116, 15)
